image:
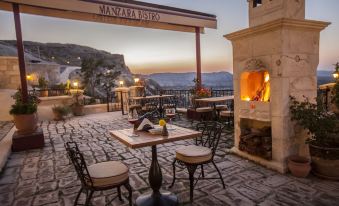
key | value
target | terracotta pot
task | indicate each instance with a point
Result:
(44, 93)
(78, 110)
(26, 123)
(325, 161)
(299, 166)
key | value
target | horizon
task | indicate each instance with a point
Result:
(149, 51)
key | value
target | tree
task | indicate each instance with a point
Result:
(90, 69)
(106, 80)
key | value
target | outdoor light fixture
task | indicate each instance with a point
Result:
(136, 80)
(79, 58)
(121, 83)
(336, 72)
(29, 77)
(67, 62)
(53, 57)
(76, 84)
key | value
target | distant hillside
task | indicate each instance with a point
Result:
(185, 80)
(64, 54)
(324, 77)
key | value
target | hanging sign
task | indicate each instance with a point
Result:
(116, 11)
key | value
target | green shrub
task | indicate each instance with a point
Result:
(322, 126)
(43, 83)
(30, 107)
(63, 110)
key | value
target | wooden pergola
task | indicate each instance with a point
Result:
(121, 12)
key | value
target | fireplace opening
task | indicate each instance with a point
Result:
(255, 86)
(256, 138)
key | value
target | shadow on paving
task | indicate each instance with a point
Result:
(46, 177)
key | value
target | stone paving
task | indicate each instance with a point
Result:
(46, 177)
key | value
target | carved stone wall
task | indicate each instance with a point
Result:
(9, 73)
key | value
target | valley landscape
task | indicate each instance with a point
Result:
(69, 58)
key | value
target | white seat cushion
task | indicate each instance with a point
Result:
(193, 154)
(181, 110)
(108, 173)
(221, 107)
(133, 106)
(204, 109)
(226, 113)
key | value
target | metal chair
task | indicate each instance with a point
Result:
(199, 154)
(98, 177)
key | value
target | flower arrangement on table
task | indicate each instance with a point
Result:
(199, 93)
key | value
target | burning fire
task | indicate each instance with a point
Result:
(257, 91)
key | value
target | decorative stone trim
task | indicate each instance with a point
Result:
(278, 24)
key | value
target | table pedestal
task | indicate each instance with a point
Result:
(156, 198)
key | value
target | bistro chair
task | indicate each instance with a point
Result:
(98, 177)
(200, 154)
(227, 116)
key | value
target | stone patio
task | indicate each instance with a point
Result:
(46, 177)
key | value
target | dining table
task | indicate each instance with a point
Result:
(214, 101)
(160, 99)
(146, 139)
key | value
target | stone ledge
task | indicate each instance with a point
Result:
(270, 164)
(277, 24)
(5, 147)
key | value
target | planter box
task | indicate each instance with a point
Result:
(23, 142)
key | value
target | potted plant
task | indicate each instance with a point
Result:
(43, 85)
(299, 166)
(24, 113)
(199, 93)
(60, 112)
(323, 130)
(78, 105)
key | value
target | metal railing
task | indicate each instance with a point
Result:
(184, 96)
(50, 92)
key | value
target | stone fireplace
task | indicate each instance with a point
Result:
(277, 57)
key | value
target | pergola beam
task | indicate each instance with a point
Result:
(198, 56)
(121, 12)
(21, 54)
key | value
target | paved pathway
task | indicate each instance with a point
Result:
(45, 176)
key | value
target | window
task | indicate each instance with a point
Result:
(257, 3)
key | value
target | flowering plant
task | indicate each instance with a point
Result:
(162, 122)
(203, 93)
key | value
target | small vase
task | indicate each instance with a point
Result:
(164, 131)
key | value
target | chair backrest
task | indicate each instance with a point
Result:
(79, 163)
(211, 133)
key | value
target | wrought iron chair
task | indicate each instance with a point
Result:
(199, 154)
(99, 176)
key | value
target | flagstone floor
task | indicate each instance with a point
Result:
(46, 177)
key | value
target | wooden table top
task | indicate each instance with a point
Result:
(152, 97)
(147, 139)
(215, 99)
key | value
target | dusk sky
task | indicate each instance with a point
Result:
(154, 51)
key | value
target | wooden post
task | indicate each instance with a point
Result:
(21, 55)
(198, 56)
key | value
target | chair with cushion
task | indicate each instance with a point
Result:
(201, 153)
(205, 113)
(227, 117)
(98, 177)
